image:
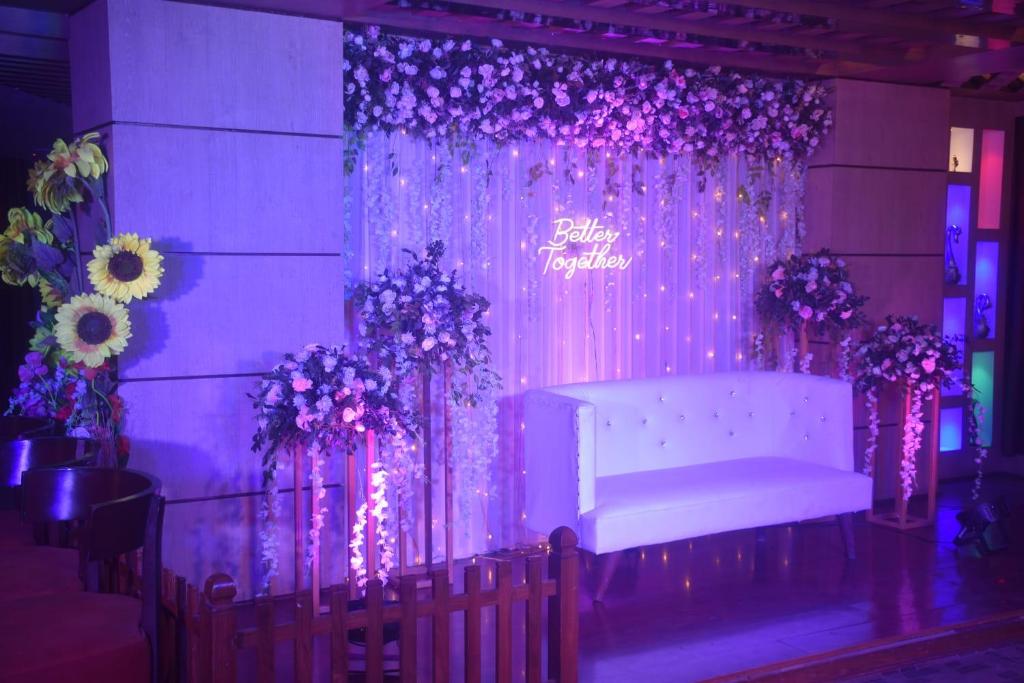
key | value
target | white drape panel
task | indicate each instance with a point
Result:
(684, 305)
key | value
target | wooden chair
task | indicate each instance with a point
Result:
(91, 635)
(20, 427)
(20, 455)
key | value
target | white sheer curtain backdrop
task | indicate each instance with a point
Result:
(684, 304)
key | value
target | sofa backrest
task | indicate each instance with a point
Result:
(666, 422)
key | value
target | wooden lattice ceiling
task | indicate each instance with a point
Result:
(975, 47)
(971, 46)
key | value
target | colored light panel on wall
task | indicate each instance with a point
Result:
(990, 182)
(986, 283)
(958, 213)
(954, 321)
(983, 376)
(961, 149)
(951, 429)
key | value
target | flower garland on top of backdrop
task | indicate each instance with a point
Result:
(907, 352)
(810, 291)
(419, 320)
(320, 399)
(68, 375)
(443, 87)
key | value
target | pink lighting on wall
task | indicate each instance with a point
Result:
(990, 184)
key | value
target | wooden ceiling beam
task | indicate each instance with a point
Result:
(434, 22)
(953, 71)
(881, 20)
(710, 27)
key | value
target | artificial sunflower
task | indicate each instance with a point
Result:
(50, 295)
(127, 267)
(92, 327)
(55, 181)
(21, 223)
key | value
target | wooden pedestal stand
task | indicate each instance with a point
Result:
(418, 567)
(803, 347)
(301, 519)
(900, 518)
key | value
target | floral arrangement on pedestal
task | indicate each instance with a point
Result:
(809, 292)
(445, 87)
(319, 400)
(422, 322)
(69, 373)
(905, 352)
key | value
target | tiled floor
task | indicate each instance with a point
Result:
(691, 610)
(996, 665)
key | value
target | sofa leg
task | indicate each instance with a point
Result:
(846, 526)
(609, 564)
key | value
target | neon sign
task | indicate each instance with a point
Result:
(562, 251)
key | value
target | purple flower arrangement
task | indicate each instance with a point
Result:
(446, 87)
(812, 289)
(317, 400)
(906, 350)
(422, 318)
(324, 395)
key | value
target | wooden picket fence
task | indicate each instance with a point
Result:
(203, 637)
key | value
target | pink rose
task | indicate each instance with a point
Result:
(779, 273)
(846, 314)
(929, 365)
(806, 312)
(301, 384)
(348, 415)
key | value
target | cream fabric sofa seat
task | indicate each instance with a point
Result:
(637, 462)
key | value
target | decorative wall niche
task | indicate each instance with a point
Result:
(961, 150)
(983, 377)
(986, 289)
(957, 233)
(990, 182)
(954, 321)
(951, 429)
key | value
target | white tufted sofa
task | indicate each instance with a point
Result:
(636, 462)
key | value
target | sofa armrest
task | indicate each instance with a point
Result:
(560, 460)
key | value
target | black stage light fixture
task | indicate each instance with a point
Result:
(983, 527)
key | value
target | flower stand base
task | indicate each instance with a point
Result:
(422, 565)
(900, 517)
